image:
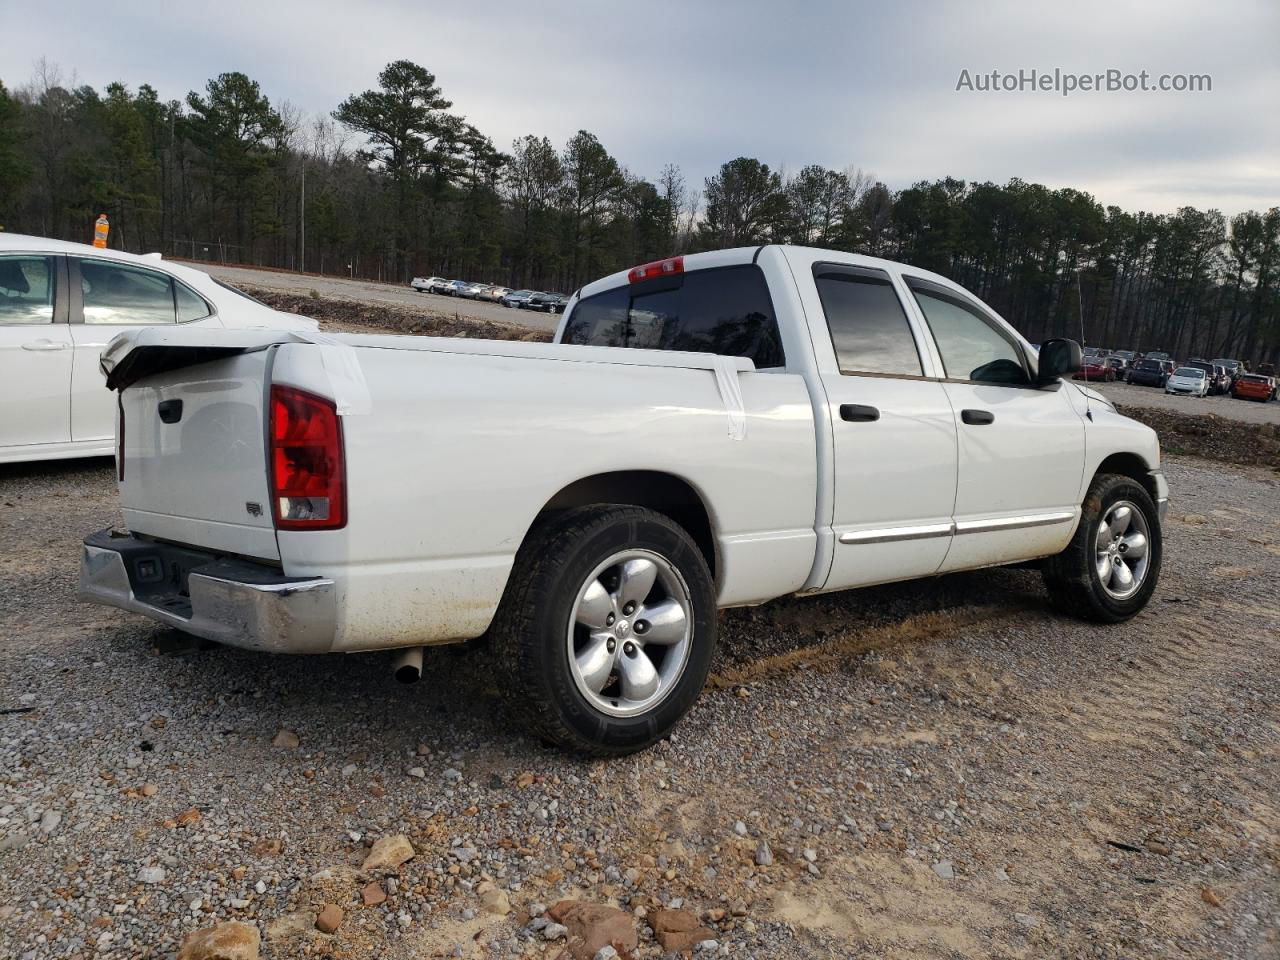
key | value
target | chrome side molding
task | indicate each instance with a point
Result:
(890, 534)
(929, 530)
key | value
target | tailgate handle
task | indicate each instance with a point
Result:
(977, 418)
(170, 410)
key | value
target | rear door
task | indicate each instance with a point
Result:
(1021, 446)
(109, 297)
(35, 352)
(893, 433)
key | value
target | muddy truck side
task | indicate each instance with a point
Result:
(706, 431)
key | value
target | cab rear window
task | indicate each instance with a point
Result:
(723, 310)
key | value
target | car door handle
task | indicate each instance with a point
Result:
(977, 418)
(858, 413)
(44, 345)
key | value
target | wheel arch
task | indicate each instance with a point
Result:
(665, 493)
(1134, 467)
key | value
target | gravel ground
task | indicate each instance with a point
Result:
(940, 769)
(377, 294)
(1223, 405)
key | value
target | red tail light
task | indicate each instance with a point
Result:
(659, 268)
(308, 476)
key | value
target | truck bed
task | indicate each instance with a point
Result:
(452, 448)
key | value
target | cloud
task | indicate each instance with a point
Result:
(836, 83)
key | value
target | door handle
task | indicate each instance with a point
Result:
(43, 345)
(977, 418)
(858, 413)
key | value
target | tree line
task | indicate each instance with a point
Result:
(394, 183)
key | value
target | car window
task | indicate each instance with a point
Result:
(115, 294)
(723, 310)
(868, 327)
(972, 347)
(1195, 373)
(26, 289)
(191, 306)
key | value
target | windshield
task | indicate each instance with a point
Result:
(1192, 373)
(1148, 365)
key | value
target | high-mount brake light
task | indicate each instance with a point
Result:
(659, 268)
(308, 475)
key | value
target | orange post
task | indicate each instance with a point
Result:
(100, 231)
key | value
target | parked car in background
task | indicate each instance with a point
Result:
(427, 284)
(1192, 381)
(455, 288)
(707, 431)
(1119, 365)
(1157, 355)
(1267, 369)
(517, 298)
(1222, 378)
(60, 303)
(494, 294)
(1215, 375)
(1148, 373)
(1253, 386)
(1097, 369)
(1128, 356)
(1233, 367)
(546, 302)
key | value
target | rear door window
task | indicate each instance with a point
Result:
(118, 294)
(723, 310)
(869, 328)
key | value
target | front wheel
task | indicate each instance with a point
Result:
(606, 632)
(1110, 569)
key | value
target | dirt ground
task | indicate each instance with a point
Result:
(378, 295)
(1221, 405)
(940, 769)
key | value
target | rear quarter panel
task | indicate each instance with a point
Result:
(458, 453)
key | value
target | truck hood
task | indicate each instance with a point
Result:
(1094, 395)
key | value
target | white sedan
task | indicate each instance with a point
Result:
(60, 304)
(1189, 380)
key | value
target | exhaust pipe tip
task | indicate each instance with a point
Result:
(407, 667)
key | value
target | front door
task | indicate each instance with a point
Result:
(1021, 445)
(893, 434)
(35, 353)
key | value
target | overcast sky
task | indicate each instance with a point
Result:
(698, 83)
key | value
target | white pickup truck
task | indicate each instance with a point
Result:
(708, 431)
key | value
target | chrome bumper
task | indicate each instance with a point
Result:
(229, 601)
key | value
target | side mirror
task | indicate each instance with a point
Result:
(1058, 358)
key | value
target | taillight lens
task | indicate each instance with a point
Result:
(308, 478)
(659, 268)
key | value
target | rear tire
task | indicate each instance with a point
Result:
(1074, 578)
(582, 666)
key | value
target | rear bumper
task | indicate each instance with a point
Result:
(229, 601)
